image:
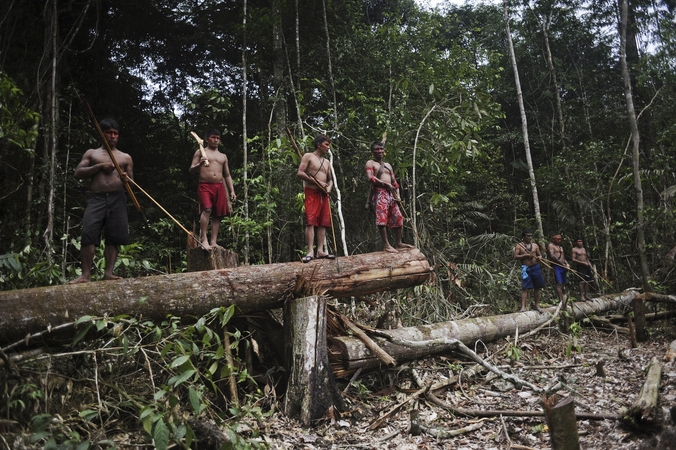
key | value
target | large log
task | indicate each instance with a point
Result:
(248, 288)
(350, 353)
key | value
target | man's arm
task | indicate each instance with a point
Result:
(551, 249)
(519, 252)
(227, 179)
(85, 169)
(196, 163)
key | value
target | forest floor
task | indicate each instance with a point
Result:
(543, 359)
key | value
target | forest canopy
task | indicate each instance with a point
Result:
(437, 85)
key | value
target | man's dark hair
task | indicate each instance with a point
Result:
(211, 132)
(320, 140)
(109, 124)
(526, 231)
(377, 144)
(579, 239)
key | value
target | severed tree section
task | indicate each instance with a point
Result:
(644, 410)
(348, 353)
(311, 391)
(248, 288)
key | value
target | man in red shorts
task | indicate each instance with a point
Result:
(385, 198)
(214, 184)
(315, 171)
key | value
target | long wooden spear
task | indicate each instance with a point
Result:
(125, 179)
(128, 180)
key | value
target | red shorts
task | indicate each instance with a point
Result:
(387, 210)
(213, 196)
(317, 208)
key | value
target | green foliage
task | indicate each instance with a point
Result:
(18, 124)
(513, 352)
(184, 371)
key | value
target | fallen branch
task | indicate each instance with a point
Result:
(375, 348)
(551, 319)
(511, 413)
(440, 433)
(454, 344)
(473, 371)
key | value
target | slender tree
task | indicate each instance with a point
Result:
(524, 121)
(636, 139)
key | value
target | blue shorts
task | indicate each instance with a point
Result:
(531, 277)
(560, 275)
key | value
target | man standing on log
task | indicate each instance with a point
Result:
(557, 256)
(385, 198)
(583, 268)
(315, 172)
(531, 275)
(106, 203)
(214, 184)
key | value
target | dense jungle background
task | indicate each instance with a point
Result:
(438, 84)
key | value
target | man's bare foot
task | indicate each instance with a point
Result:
(80, 279)
(206, 246)
(111, 277)
(403, 246)
(390, 249)
(214, 245)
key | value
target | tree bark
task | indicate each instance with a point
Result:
(636, 139)
(348, 353)
(311, 388)
(644, 409)
(524, 123)
(217, 258)
(249, 288)
(562, 423)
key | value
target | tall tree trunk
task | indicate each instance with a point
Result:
(545, 25)
(245, 159)
(278, 68)
(636, 139)
(339, 207)
(524, 123)
(53, 122)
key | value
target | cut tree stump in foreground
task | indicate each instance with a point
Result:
(311, 390)
(217, 258)
(348, 353)
(562, 423)
(248, 288)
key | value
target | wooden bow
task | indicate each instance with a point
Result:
(200, 141)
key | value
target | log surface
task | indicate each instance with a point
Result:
(351, 353)
(249, 288)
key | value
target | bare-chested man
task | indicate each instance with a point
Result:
(560, 266)
(583, 268)
(386, 198)
(214, 184)
(315, 171)
(106, 203)
(531, 275)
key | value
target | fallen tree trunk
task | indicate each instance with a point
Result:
(349, 353)
(248, 288)
(644, 409)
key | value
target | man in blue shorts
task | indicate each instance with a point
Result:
(560, 265)
(531, 275)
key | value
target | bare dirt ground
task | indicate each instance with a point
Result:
(543, 360)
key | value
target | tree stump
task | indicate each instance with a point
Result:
(311, 390)
(217, 258)
(560, 415)
(638, 304)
